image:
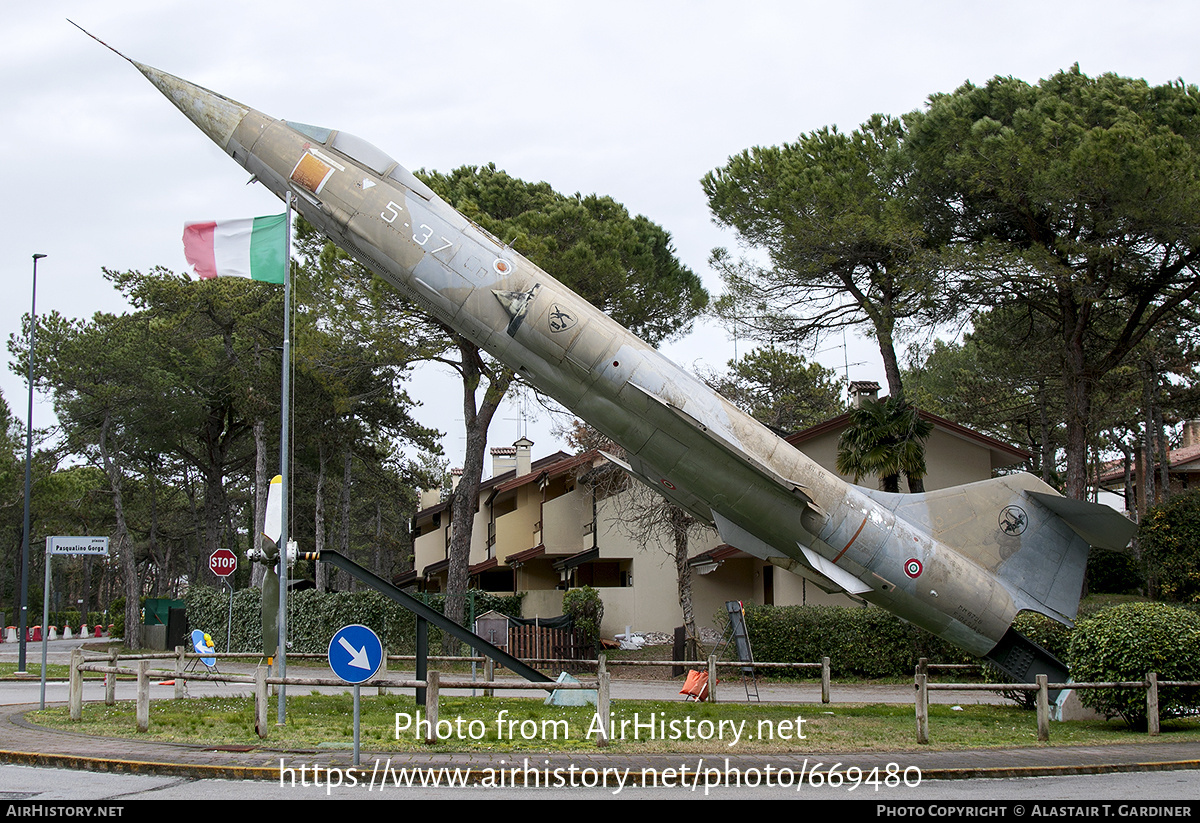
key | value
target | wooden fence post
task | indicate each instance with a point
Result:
(261, 702)
(75, 694)
(143, 696)
(1043, 708)
(383, 672)
(110, 679)
(712, 678)
(432, 681)
(180, 683)
(922, 708)
(602, 705)
(824, 679)
(489, 674)
(1152, 726)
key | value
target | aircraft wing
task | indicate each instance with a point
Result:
(676, 417)
(800, 559)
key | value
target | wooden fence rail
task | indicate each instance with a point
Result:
(1043, 688)
(182, 654)
(261, 681)
(435, 681)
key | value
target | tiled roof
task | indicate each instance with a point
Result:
(564, 464)
(1186, 459)
(507, 480)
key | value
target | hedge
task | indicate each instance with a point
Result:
(314, 616)
(1123, 644)
(1169, 537)
(860, 642)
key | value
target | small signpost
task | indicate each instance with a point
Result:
(223, 563)
(77, 545)
(355, 654)
(95, 546)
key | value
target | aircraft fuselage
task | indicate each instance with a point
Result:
(679, 436)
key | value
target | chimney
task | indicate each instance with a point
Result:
(524, 456)
(455, 476)
(1191, 434)
(861, 390)
(504, 459)
(428, 498)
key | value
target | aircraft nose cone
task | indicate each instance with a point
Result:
(215, 115)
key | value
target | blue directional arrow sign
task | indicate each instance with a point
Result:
(355, 653)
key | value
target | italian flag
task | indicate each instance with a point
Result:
(252, 247)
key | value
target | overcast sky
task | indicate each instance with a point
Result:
(637, 100)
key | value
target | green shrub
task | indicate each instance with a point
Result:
(860, 642)
(1113, 572)
(1051, 635)
(116, 611)
(1126, 642)
(1169, 537)
(70, 617)
(586, 610)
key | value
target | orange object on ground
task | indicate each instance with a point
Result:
(696, 686)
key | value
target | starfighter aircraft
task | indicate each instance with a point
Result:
(959, 562)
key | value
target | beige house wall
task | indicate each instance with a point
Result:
(516, 530)
(566, 522)
(649, 598)
(542, 603)
(536, 577)
(431, 548)
(949, 460)
(479, 536)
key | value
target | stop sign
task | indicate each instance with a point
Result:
(223, 562)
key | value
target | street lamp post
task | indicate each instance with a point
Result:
(23, 625)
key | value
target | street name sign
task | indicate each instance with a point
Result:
(77, 545)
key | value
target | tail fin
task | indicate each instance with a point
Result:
(1035, 540)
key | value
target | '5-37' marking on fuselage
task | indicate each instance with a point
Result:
(392, 211)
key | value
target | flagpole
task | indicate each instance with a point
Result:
(283, 457)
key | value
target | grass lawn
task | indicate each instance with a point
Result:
(389, 724)
(33, 671)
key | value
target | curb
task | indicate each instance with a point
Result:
(476, 774)
(98, 764)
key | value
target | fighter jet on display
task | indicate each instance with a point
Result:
(960, 562)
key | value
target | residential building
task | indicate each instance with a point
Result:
(544, 526)
(1182, 467)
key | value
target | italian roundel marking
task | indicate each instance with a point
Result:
(913, 567)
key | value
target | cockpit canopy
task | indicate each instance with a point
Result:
(365, 154)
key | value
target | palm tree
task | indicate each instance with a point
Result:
(885, 438)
